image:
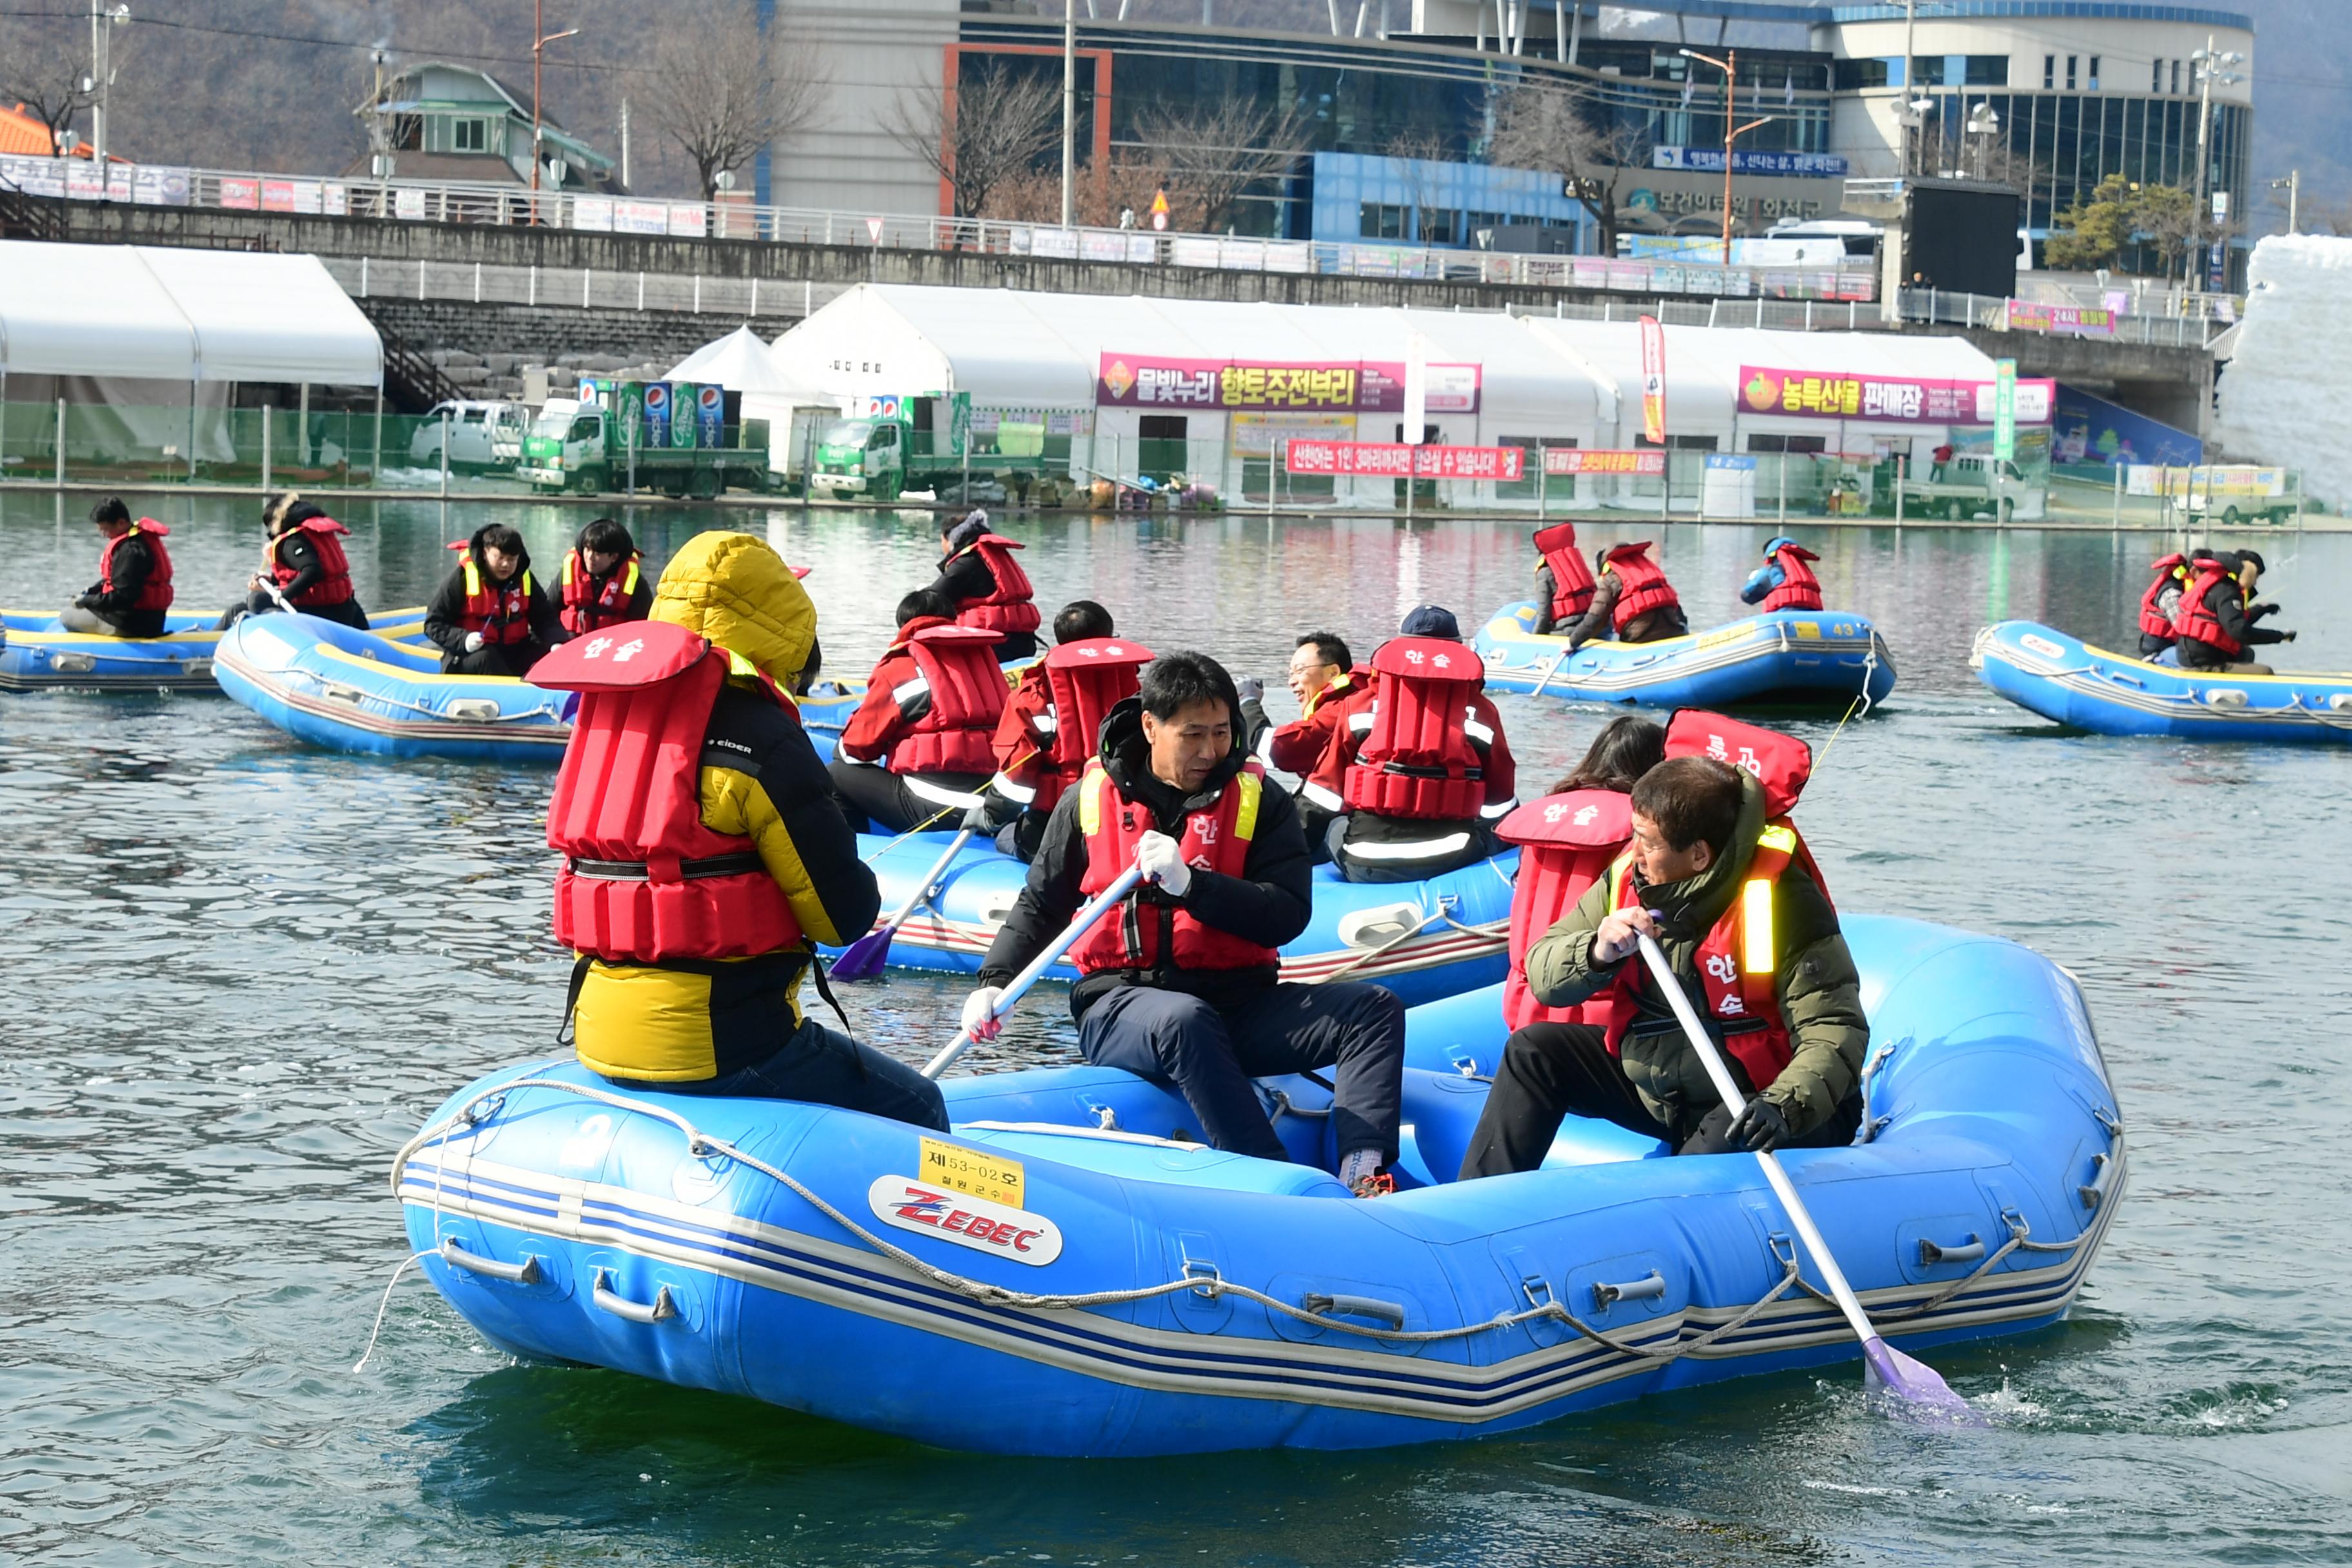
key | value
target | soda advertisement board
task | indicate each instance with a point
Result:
(681, 414)
(654, 431)
(710, 416)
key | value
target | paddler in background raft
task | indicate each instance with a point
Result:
(703, 853)
(490, 616)
(1632, 600)
(1785, 580)
(1322, 675)
(985, 587)
(134, 578)
(919, 745)
(1037, 754)
(2217, 616)
(603, 581)
(1563, 582)
(303, 558)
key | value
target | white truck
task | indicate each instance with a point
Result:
(481, 434)
(1975, 483)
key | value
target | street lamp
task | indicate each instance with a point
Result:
(102, 72)
(2208, 67)
(540, 38)
(1984, 124)
(1731, 132)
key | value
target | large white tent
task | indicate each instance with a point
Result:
(741, 362)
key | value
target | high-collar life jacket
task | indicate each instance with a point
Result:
(1150, 931)
(1416, 761)
(956, 668)
(1572, 579)
(1642, 586)
(1087, 678)
(499, 611)
(1009, 607)
(1799, 589)
(2172, 573)
(642, 880)
(588, 604)
(1566, 844)
(333, 585)
(2194, 621)
(155, 593)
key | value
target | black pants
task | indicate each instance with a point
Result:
(876, 799)
(1365, 833)
(824, 1067)
(494, 659)
(1210, 1054)
(1655, 625)
(1552, 1071)
(258, 602)
(1021, 836)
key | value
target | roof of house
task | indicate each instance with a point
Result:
(24, 134)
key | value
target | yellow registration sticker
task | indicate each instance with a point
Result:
(974, 1171)
(1809, 630)
(1717, 638)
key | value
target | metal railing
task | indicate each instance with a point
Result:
(1994, 314)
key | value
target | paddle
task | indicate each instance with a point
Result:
(1913, 1382)
(863, 958)
(1084, 921)
(1552, 670)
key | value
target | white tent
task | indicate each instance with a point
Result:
(741, 362)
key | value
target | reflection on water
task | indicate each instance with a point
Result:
(242, 971)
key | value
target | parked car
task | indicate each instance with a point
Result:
(481, 434)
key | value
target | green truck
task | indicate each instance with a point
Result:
(891, 445)
(579, 447)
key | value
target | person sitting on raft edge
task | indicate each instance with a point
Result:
(1796, 1047)
(603, 581)
(489, 615)
(985, 587)
(1088, 673)
(1182, 983)
(134, 578)
(302, 557)
(1321, 675)
(919, 746)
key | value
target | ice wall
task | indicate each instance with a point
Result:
(2286, 398)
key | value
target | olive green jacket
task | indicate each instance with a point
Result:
(1819, 991)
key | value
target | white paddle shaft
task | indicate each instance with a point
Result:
(1081, 923)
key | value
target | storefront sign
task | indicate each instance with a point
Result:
(2075, 321)
(1902, 400)
(1602, 460)
(1366, 386)
(2005, 410)
(1394, 459)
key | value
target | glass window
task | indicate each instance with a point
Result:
(2049, 71)
(1928, 70)
(1437, 226)
(469, 135)
(2155, 77)
(2095, 73)
(1853, 76)
(1787, 444)
(1988, 70)
(2176, 76)
(1381, 221)
(2070, 60)
(583, 429)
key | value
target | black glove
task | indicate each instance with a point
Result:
(2290, 636)
(991, 812)
(1758, 1126)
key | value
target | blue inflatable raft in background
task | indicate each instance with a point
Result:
(2065, 679)
(37, 654)
(1789, 656)
(1069, 1274)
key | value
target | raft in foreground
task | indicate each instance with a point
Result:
(1062, 1277)
(38, 653)
(2065, 679)
(1788, 657)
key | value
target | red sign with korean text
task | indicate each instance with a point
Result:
(1393, 459)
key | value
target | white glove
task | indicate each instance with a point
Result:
(1161, 860)
(473, 642)
(980, 1019)
(1251, 689)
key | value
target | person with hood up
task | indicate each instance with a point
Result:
(2217, 616)
(490, 617)
(1181, 983)
(704, 856)
(1785, 580)
(985, 585)
(303, 559)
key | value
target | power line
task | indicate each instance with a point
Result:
(327, 43)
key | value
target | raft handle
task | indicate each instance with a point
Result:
(2095, 1192)
(1930, 1253)
(1651, 1289)
(1346, 1306)
(635, 1312)
(527, 1272)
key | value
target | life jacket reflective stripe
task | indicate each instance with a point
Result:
(1781, 764)
(1572, 579)
(2195, 620)
(1152, 931)
(155, 593)
(956, 667)
(1007, 607)
(2170, 574)
(499, 611)
(334, 586)
(644, 881)
(1799, 589)
(1643, 587)
(1566, 844)
(1738, 962)
(586, 605)
(1416, 761)
(1087, 678)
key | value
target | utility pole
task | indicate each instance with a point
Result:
(540, 39)
(1070, 107)
(2294, 183)
(1732, 131)
(624, 143)
(102, 23)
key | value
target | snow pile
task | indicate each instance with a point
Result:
(2286, 398)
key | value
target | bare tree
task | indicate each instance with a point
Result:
(997, 127)
(1565, 132)
(1214, 151)
(722, 89)
(43, 68)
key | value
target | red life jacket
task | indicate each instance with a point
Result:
(1781, 764)
(1642, 586)
(957, 664)
(2169, 573)
(1088, 680)
(499, 611)
(155, 593)
(1572, 579)
(587, 607)
(1008, 607)
(644, 881)
(1416, 761)
(2194, 621)
(1150, 931)
(1566, 843)
(334, 586)
(1799, 589)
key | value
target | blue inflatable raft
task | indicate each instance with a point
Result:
(1421, 939)
(1789, 657)
(350, 690)
(2065, 679)
(37, 654)
(1069, 1274)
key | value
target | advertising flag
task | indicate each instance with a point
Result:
(1653, 382)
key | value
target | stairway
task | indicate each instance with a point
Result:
(412, 382)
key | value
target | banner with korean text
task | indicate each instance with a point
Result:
(1394, 459)
(1362, 386)
(1894, 399)
(1653, 382)
(1602, 460)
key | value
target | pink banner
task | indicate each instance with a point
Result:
(1393, 459)
(2074, 320)
(1368, 386)
(1891, 399)
(1600, 460)
(278, 195)
(237, 193)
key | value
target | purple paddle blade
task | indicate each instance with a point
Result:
(863, 959)
(1887, 1371)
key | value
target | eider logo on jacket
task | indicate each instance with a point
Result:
(968, 1221)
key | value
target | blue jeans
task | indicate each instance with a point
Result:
(824, 1067)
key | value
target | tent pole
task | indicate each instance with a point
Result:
(302, 436)
(61, 444)
(376, 463)
(192, 430)
(265, 423)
